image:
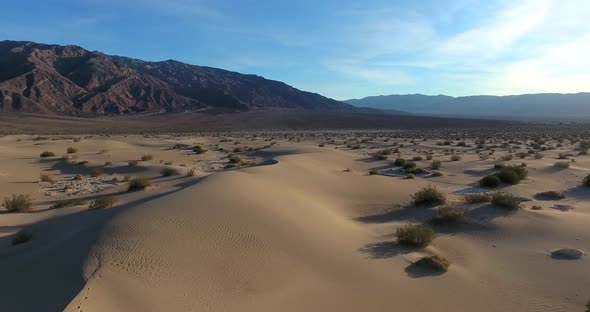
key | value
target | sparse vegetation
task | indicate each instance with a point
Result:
(108, 163)
(18, 203)
(429, 195)
(103, 202)
(490, 181)
(449, 215)
(167, 172)
(147, 157)
(586, 181)
(436, 164)
(455, 158)
(562, 164)
(71, 150)
(505, 200)
(69, 203)
(138, 184)
(399, 162)
(47, 154)
(44, 177)
(373, 172)
(199, 149)
(477, 198)
(191, 172)
(414, 235)
(132, 163)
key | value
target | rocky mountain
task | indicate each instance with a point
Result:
(69, 80)
(528, 106)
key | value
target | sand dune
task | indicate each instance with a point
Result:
(297, 233)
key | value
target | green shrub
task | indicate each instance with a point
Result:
(436, 164)
(437, 174)
(477, 198)
(18, 203)
(234, 159)
(69, 203)
(138, 183)
(449, 215)
(21, 237)
(429, 195)
(47, 154)
(167, 172)
(512, 174)
(415, 235)
(586, 181)
(146, 157)
(103, 202)
(108, 163)
(491, 181)
(71, 150)
(409, 166)
(505, 200)
(435, 262)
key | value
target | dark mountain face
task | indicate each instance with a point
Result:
(540, 106)
(70, 80)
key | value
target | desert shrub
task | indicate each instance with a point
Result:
(417, 158)
(373, 172)
(539, 156)
(78, 177)
(562, 156)
(449, 215)
(436, 164)
(522, 155)
(167, 172)
(455, 158)
(429, 157)
(44, 177)
(21, 237)
(429, 195)
(410, 176)
(71, 150)
(409, 166)
(191, 172)
(133, 163)
(103, 202)
(108, 163)
(507, 157)
(462, 144)
(505, 200)
(435, 262)
(95, 172)
(138, 183)
(234, 159)
(399, 162)
(380, 156)
(127, 178)
(147, 157)
(437, 174)
(476, 198)
(562, 164)
(47, 154)
(199, 149)
(415, 235)
(386, 151)
(586, 181)
(491, 181)
(69, 203)
(508, 176)
(18, 203)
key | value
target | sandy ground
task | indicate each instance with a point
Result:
(294, 227)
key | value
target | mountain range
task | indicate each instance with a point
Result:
(528, 106)
(70, 80)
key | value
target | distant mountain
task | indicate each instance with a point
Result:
(529, 106)
(69, 80)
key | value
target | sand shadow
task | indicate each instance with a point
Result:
(400, 213)
(578, 192)
(383, 250)
(416, 271)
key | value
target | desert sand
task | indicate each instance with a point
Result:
(289, 221)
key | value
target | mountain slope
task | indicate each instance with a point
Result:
(549, 105)
(69, 80)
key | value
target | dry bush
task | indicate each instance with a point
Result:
(18, 203)
(435, 262)
(138, 183)
(70, 203)
(47, 154)
(44, 177)
(71, 150)
(490, 181)
(147, 157)
(191, 172)
(562, 164)
(429, 195)
(167, 172)
(455, 158)
(436, 164)
(477, 198)
(133, 163)
(103, 202)
(415, 235)
(586, 181)
(505, 200)
(449, 215)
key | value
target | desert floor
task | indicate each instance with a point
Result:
(289, 221)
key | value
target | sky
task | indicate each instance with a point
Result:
(338, 48)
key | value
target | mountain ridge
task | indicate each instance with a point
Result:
(70, 80)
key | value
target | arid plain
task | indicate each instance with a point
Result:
(428, 220)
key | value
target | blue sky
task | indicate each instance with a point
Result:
(342, 49)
